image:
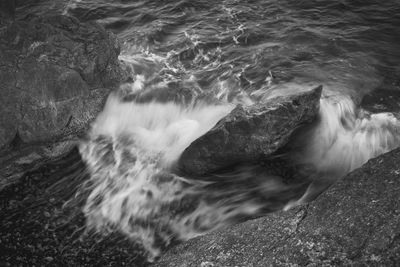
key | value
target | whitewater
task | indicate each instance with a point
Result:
(190, 64)
(132, 149)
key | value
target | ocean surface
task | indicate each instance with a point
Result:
(351, 46)
(238, 52)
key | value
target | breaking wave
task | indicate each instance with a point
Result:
(133, 147)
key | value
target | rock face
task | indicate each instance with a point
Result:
(355, 222)
(250, 133)
(55, 74)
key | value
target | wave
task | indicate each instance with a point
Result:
(343, 139)
(133, 147)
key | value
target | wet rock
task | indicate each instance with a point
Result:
(50, 70)
(250, 133)
(354, 223)
(55, 74)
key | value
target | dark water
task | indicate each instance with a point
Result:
(236, 51)
(351, 46)
(348, 45)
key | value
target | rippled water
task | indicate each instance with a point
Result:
(182, 52)
(351, 46)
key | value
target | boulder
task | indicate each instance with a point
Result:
(52, 69)
(354, 223)
(55, 74)
(250, 133)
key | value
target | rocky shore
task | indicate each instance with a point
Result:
(354, 223)
(55, 74)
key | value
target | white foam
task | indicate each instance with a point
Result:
(345, 138)
(132, 148)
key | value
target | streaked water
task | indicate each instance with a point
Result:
(192, 62)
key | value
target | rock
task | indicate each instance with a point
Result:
(250, 133)
(355, 222)
(53, 70)
(55, 74)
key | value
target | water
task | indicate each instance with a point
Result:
(192, 62)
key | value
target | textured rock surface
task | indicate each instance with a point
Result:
(355, 222)
(54, 72)
(250, 133)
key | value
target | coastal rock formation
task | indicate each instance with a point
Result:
(55, 74)
(355, 222)
(250, 133)
(53, 70)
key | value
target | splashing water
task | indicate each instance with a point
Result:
(342, 140)
(132, 148)
(345, 138)
(240, 52)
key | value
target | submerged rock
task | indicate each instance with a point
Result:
(55, 74)
(355, 222)
(382, 100)
(250, 133)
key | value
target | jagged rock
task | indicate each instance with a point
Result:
(250, 133)
(55, 74)
(50, 68)
(354, 223)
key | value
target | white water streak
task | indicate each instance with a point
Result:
(132, 147)
(346, 138)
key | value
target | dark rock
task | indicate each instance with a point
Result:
(49, 68)
(55, 74)
(354, 223)
(250, 133)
